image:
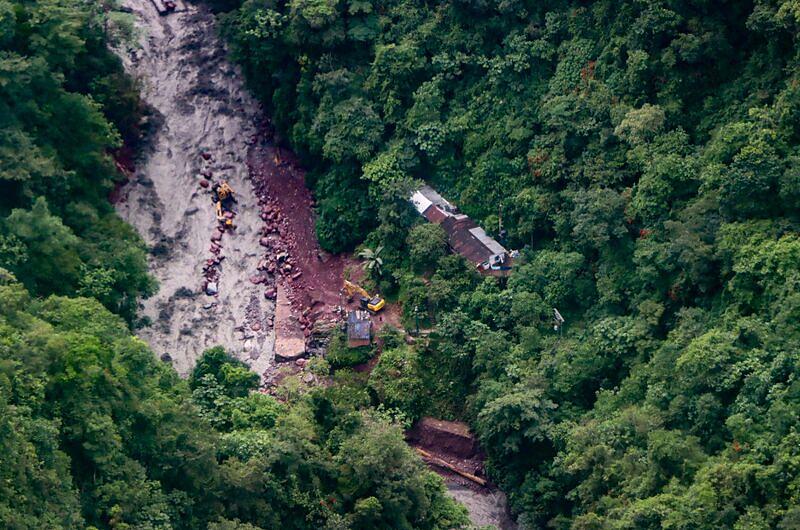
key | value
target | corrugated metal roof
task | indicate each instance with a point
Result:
(359, 326)
(434, 215)
(490, 243)
(420, 201)
(462, 241)
(454, 223)
(433, 196)
(464, 236)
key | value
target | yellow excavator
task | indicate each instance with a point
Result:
(373, 304)
(222, 196)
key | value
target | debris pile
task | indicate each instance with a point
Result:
(278, 259)
(202, 127)
(294, 271)
(198, 118)
(321, 334)
(452, 451)
(167, 7)
(450, 446)
(211, 268)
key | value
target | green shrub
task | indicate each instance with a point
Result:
(342, 356)
(397, 381)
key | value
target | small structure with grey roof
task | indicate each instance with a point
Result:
(359, 329)
(464, 236)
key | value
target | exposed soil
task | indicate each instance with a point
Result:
(309, 279)
(280, 180)
(449, 437)
(390, 315)
(455, 444)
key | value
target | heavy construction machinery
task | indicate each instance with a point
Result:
(223, 199)
(373, 304)
(167, 7)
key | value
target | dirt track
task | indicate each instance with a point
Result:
(200, 106)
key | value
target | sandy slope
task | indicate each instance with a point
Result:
(200, 106)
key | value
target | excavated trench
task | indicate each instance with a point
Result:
(202, 129)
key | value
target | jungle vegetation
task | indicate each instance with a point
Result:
(65, 107)
(643, 157)
(97, 433)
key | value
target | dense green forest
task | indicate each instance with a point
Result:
(65, 105)
(95, 432)
(644, 158)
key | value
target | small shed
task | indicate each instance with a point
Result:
(359, 329)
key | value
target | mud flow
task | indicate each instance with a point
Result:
(202, 121)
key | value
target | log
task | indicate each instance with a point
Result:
(436, 461)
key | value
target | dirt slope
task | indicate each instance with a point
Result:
(200, 106)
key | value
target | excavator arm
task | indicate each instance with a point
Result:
(352, 289)
(225, 191)
(372, 303)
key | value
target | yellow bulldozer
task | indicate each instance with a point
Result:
(373, 304)
(223, 199)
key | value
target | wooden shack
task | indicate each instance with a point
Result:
(359, 329)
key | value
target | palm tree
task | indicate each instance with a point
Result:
(372, 260)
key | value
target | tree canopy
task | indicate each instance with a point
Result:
(66, 106)
(643, 156)
(98, 432)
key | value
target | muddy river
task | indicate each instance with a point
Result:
(202, 120)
